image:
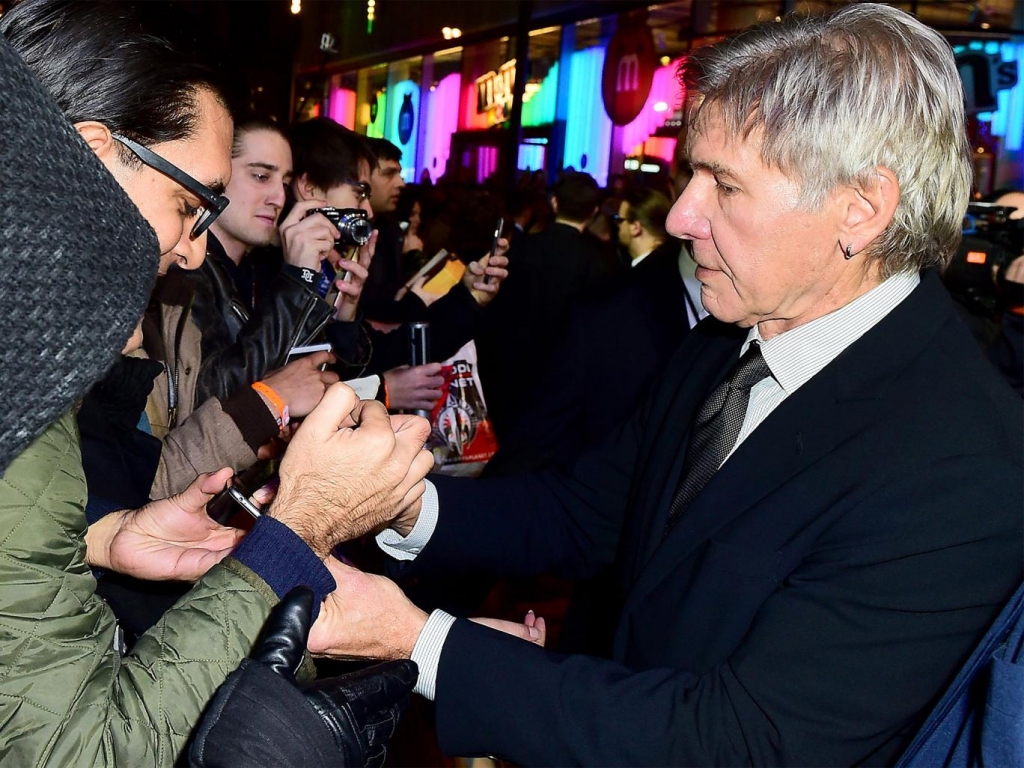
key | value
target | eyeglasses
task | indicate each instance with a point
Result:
(213, 203)
(617, 219)
(363, 188)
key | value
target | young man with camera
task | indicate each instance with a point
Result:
(252, 306)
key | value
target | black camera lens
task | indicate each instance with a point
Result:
(353, 224)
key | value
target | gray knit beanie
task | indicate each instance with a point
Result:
(77, 261)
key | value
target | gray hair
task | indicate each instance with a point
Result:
(833, 97)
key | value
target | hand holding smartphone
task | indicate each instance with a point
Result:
(494, 245)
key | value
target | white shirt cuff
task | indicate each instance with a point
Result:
(407, 547)
(427, 652)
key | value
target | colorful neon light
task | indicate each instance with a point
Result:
(402, 122)
(441, 111)
(486, 163)
(375, 127)
(342, 107)
(588, 129)
(469, 118)
(665, 97)
(531, 157)
(1008, 120)
(540, 109)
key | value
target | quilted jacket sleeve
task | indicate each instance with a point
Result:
(67, 697)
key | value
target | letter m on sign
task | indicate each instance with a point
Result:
(628, 77)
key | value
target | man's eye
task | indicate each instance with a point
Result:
(261, 177)
(189, 211)
(725, 189)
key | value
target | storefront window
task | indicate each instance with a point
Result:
(441, 112)
(371, 100)
(342, 99)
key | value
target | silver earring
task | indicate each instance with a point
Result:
(849, 252)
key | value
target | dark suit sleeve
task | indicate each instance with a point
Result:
(563, 522)
(855, 633)
(550, 430)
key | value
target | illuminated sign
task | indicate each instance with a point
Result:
(983, 75)
(494, 90)
(628, 71)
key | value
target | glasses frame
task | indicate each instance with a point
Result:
(363, 187)
(214, 204)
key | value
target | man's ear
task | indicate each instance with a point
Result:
(867, 208)
(97, 136)
(554, 205)
(305, 190)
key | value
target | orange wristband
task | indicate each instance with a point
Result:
(387, 395)
(275, 400)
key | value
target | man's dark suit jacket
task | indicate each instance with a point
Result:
(809, 605)
(548, 273)
(613, 348)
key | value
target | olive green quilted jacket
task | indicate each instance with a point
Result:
(67, 697)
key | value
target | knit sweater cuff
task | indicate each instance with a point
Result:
(252, 417)
(283, 560)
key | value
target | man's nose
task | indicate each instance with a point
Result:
(686, 219)
(276, 196)
(191, 252)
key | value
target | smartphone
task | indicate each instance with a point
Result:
(224, 505)
(296, 352)
(244, 502)
(494, 244)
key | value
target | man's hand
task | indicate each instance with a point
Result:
(475, 278)
(301, 383)
(351, 288)
(307, 241)
(532, 630)
(171, 539)
(367, 616)
(414, 389)
(347, 471)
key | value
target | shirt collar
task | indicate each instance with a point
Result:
(640, 258)
(795, 356)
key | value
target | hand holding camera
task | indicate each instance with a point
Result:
(352, 274)
(307, 239)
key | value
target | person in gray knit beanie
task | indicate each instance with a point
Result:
(76, 278)
(89, 214)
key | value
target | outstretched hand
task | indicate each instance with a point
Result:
(167, 540)
(532, 630)
(367, 616)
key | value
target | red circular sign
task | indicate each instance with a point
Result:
(628, 72)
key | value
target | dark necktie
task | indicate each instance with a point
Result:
(716, 428)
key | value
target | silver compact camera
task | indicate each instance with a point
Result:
(353, 224)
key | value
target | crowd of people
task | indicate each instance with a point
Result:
(723, 403)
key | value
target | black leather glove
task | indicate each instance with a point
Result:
(260, 717)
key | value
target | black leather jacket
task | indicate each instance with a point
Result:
(241, 344)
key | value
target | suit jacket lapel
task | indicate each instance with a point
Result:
(704, 359)
(828, 410)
